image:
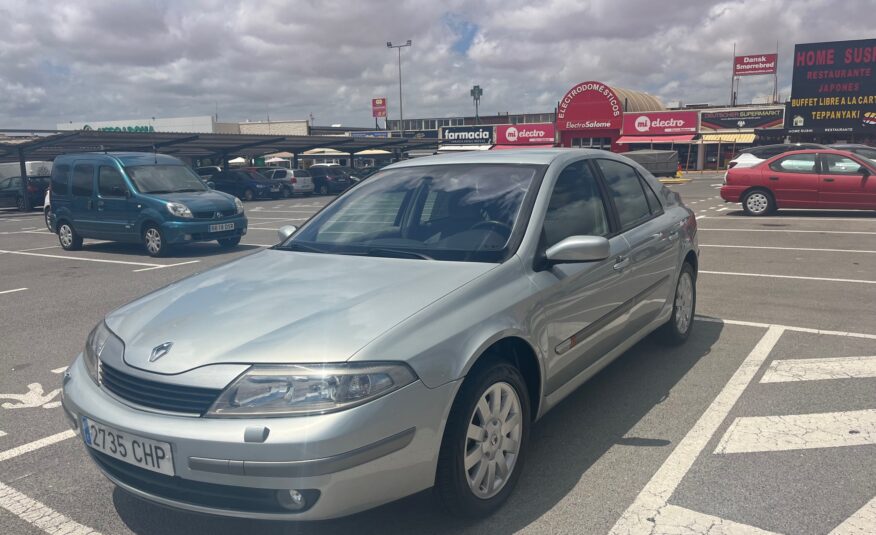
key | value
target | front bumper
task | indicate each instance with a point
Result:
(183, 231)
(347, 461)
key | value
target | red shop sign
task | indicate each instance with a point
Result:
(525, 134)
(660, 122)
(590, 106)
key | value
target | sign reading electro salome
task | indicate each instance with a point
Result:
(467, 135)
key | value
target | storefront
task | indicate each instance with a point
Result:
(591, 114)
(724, 132)
(521, 136)
(664, 130)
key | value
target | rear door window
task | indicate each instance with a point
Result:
(60, 179)
(795, 163)
(83, 180)
(626, 191)
(833, 164)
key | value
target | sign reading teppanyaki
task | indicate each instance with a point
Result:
(757, 64)
(833, 88)
(742, 119)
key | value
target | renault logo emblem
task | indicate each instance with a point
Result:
(160, 351)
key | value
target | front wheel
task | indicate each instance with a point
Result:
(323, 189)
(758, 203)
(153, 241)
(19, 203)
(285, 193)
(248, 195)
(677, 330)
(229, 243)
(485, 441)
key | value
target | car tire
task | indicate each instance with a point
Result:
(758, 202)
(19, 203)
(323, 189)
(69, 239)
(285, 193)
(248, 195)
(677, 330)
(229, 243)
(154, 242)
(481, 489)
(47, 215)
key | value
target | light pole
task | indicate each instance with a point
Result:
(476, 93)
(401, 109)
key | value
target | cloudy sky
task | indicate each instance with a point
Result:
(89, 60)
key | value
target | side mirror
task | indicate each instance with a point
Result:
(211, 185)
(286, 231)
(579, 249)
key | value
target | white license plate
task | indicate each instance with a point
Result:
(221, 227)
(150, 454)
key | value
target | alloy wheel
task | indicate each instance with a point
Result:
(683, 302)
(757, 202)
(65, 234)
(153, 240)
(492, 443)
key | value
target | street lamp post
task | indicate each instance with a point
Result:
(401, 109)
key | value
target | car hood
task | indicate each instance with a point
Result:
(198, 201)
(282, 307)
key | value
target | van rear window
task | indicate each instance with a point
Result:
(60, 179)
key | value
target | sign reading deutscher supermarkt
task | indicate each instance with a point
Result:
(834, 87)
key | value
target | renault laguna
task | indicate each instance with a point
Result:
(407, 336)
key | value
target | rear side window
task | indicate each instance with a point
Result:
(833, 164)
(867, 153)
(795, 163)
(625, 188)
(83, 180)
(60, 179)
(110, 182)
(653, 202)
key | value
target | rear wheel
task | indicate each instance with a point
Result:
(47, 214)
(285, 192)
(485, 441)
(153, 241)
(758, 203)
(68, 238)
(229, 243)
(19, 203)
(677, 330)
(323, 189)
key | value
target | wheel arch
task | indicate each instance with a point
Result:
(517, 351)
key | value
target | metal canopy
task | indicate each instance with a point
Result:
(195, 145)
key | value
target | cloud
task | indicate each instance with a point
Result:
(103, 59)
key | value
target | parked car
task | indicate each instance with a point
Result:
(754, 155)
(208, 171)
(10, 191)
(822, 178)
(292, 181)
(368, 358)
(153, 199)
(329, 179)
(861, 150)
(47, 209)
(244, 184)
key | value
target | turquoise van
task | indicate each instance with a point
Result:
(138, 197)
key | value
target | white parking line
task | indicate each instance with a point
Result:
(36, 444)
(788, 370)
(39, 515)
(13, 291)
(784, 230)
(162, 266)
(790, 218)
(638, 518)
(671, 518)
(43, 255)
(785, 327)
(795, 277)
(723, 208)
(813, 249)
(62, 369)
(860, 522)
(799, 432)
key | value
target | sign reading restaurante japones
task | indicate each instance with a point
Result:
(834, 87)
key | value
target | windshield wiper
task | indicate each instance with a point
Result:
(187, 190)
(297, 246)
(158, 191)
(398, 253)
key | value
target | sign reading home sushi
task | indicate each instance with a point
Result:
(467, 135)
(834, 87)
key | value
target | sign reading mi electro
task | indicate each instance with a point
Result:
(834, 87)
(467, 135)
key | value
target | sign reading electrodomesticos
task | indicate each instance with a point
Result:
(525, 134)
(833, 88)
(660, 123)
(590, 105)
(467, 135)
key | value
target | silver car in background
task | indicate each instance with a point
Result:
(406, 337)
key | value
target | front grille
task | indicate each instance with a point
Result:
(155, 395)
(211, 214)
(175, 488)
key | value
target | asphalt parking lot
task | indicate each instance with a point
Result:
(764, 422)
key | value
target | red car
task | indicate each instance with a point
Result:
(814, 178)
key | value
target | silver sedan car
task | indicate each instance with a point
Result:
(407, 336)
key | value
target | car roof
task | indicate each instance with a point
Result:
(843, 146)
(839, 152)
(511, 156)
(126, 158)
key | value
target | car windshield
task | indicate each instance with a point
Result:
(164, 179)
(443, 212)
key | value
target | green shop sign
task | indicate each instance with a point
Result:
(139, 128)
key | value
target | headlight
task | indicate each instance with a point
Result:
(179, 209)
(309, 388)
(101, 341)
(238, 205)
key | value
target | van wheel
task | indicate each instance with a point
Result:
(153, 241)
(485, 441)
(69, 239)
(677, 330)
(248, 195)
(229, 243)
(48, 216)
(758, 203)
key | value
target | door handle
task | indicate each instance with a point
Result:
(100, 205)
(828, 180)
(774, 178)
(673, 235)
(621, 262)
